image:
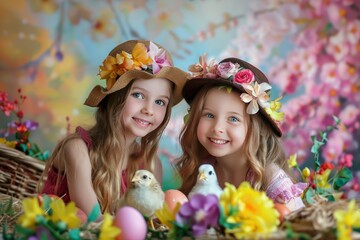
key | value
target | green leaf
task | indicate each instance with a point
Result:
(74, 234)
(23, 231)
(228, 89)
(95, 213)
(337, 120)
(316, 146)
(344, 176)
(330, 198)
(46, 202)
(309, 195)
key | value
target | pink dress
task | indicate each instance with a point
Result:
(282, 190)
(63, 191)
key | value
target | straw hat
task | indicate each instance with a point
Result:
(136, 59)
(240, 75)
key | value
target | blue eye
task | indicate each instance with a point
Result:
(233, 119)
(160, 102)
(138, 95)
(209, 115)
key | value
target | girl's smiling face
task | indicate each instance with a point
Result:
(146, 106)
(223, 123)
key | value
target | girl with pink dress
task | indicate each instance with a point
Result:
(233, 125)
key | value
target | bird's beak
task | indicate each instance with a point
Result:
(202, 176)
(135, 179)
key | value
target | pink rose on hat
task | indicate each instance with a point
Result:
(227, 69)
(244, 76)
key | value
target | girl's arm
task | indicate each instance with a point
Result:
(78, 171)
(282, 190)
(158, 170)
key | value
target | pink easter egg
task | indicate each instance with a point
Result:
(172, 197)
(132, 224)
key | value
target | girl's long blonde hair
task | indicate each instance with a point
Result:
(261, 146)
(109, 153)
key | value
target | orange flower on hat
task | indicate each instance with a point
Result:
(110, 69)
(141, 56)
(255, 95)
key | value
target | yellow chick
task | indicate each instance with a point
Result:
(145, 194)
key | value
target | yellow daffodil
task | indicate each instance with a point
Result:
(32, 210)
(65, 213)
(10, 144)
(140, 56)
(108, 230)
(252, 209)
(305, 173)
(322, 179)
(166, 216)
(346, 220)
(274, 110)
(292, 161)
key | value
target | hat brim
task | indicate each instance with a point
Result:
(194, 85)
(172, 74)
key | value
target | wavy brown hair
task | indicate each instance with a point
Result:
(109, 153)
(261, 146)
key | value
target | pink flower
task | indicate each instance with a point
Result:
(159, 57)
(227, 69)
(244, 76)
(346, 160)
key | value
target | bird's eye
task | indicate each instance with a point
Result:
(210, 172)
(144, 177)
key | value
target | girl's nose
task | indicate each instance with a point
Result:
(218, 127)
(147, 109)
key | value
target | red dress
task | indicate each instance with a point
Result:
(50, 183)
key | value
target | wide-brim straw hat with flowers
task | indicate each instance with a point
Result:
(241, 75)
(136, 59)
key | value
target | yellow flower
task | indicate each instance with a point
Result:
(346, 220)
(252, 209)
(305, 173)
(108, 230)
(165, 215)
(274, 110)
(108, 71)
(322, 179)
(140, 56)
(32, 210)
(292, 161)
(10, 144)
(66, 214)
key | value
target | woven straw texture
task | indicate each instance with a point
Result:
(19, 173)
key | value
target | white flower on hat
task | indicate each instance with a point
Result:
(255, 95)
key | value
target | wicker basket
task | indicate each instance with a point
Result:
(19, 173)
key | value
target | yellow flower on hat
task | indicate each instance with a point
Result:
(274, 110)
(113, 67)
(141, 56)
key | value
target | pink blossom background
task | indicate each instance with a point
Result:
(310, 49)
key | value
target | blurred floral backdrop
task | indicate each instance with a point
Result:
(310, 49)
